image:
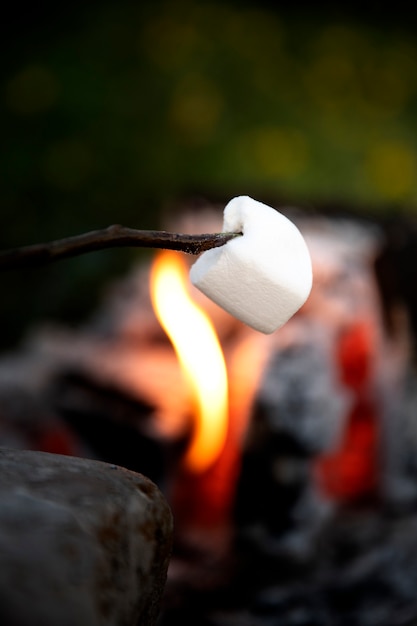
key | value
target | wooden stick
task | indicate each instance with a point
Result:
(115, 236)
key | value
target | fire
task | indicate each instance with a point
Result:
(198, 350)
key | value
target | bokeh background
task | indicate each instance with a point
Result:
(117, 112)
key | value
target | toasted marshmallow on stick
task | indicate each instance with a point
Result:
(261, 277)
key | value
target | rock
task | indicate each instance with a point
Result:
(82, 542)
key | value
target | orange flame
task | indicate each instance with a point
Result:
(198, 350)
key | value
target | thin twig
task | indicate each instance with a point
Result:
(115, 236)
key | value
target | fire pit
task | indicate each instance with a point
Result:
(300, 506)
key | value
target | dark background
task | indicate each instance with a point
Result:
(115, 112)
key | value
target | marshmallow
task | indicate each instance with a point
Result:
(261, 277)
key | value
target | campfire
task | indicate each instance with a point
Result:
(288, 459)
(200, 355)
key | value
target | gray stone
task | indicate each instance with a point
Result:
(82, 542)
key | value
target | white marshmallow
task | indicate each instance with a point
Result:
(262, 277)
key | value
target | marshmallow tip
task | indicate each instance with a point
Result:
(262, 277)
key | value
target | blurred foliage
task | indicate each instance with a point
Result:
(112, 111)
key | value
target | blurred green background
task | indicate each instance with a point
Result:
(112, 112)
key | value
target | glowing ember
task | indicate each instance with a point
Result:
(199, 353)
